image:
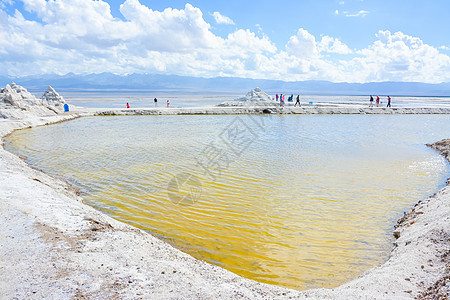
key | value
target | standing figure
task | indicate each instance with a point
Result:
(371, 101)
(281, 99)
(128, 105)
(168, 103)
(156, 102)
(276, 97)
(297, 101)
(389, 102)
(378, 101)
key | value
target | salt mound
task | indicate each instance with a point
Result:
(15, 98)
(53, 98)
(255, 95)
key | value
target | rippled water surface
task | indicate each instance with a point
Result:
(299, 201)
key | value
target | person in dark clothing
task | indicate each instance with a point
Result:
(371, 101)
(389, 102)
(297, 101)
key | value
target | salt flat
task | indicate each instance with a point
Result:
(53, 246)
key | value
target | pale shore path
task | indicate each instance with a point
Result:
(227, 110)
(54, 247)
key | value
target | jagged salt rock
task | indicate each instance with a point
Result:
(17, 97)
(52, 97)
(13, 97)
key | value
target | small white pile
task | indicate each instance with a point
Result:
(255, 97)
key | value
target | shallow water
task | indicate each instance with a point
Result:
(300, 201)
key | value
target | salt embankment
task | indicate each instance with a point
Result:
(312, 110)
(54, 246)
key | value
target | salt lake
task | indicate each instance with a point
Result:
(301, 201)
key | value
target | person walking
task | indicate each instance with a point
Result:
(276, 97)
(291, 98)
(378, 101)
(281, 100)
(371, 101)
(297, 101)
(128, 105)
(156, 102)
(389, 102)
(168, 103)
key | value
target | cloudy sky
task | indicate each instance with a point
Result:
(336, 40)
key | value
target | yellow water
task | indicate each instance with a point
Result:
(298, 201)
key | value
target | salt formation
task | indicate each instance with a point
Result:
(255, 97)
(15, 99)
(18, 96)
(53, 98)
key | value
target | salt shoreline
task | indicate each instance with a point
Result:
(53, 246)
(307, 110)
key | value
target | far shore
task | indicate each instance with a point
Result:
(54, 246)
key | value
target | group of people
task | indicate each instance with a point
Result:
(290, 99)
(154, 101)
(378, 101)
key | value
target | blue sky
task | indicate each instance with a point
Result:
(341, 41)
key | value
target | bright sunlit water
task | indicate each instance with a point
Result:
(300, 201)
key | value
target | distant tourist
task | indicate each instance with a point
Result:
(371, 101)
(297, 101)
(128, 105)
(378, 101)
(389, 102)
(168, 103)
(276, 96)
(281, 99)
(156, 102)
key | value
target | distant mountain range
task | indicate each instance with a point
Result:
(156, 82)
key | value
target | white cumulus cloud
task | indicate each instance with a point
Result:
(361, 13)
(333, 45)
(82, 36)
(220, 19)
(399, 57)
(302, 45)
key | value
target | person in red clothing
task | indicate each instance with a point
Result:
(128, 105)
(378, 101)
